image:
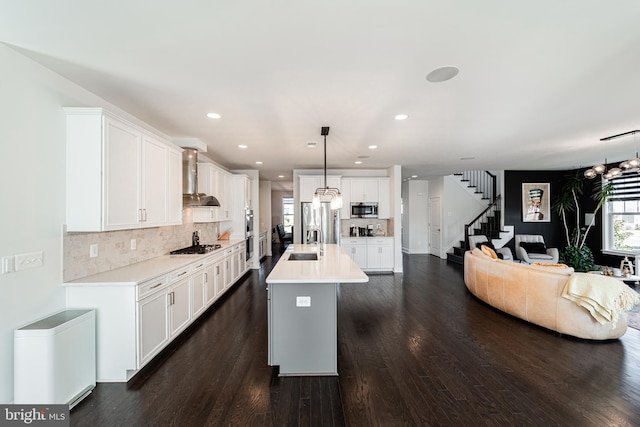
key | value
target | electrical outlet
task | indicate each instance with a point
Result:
(29, 260)
(303, 301)
(133, 244)
(93, 251)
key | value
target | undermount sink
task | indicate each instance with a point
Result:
(303, 256)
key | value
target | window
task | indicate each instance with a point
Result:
(287, 214)
(622, 215)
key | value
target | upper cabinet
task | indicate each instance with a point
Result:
(309, 184)
(364, 190)
(217, 182)
(384, 199)
(119, 176)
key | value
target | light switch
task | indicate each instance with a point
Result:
(133, 244)
(303, 301)
(93, 251)
(7, 264)
(28, 260)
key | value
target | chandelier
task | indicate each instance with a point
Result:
(627, 165)
(326, 191)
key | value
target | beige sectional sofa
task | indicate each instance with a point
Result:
(534, 293)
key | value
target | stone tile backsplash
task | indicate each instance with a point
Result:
(114, 247)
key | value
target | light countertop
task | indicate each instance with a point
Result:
(140, 272)
(335, 266)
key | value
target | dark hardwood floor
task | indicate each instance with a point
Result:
(414, 349)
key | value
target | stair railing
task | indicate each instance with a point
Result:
(487, 223)
(483, 181)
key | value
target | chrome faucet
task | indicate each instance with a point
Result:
(318, 240)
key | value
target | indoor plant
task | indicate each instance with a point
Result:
(576, 254)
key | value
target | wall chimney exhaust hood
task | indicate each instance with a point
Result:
(190, 196)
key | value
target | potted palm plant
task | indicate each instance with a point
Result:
(576, 254)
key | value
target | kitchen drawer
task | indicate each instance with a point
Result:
(198, 265)
(353, 241)
(180, 273)
(152, 286)
(380, 240)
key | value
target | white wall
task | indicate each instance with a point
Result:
(415, 238)
(459, 208)
(32, 172)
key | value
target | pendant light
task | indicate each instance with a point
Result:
(336, 197)
(627, 165)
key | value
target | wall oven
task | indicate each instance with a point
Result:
(364, 210)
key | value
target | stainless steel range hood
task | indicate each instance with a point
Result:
(190, 196)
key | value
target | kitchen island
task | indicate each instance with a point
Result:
(302, 308)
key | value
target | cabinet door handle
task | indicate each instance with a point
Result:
(198, 266)
(144, 211)
(217, 270)
(206, 277)
(155, 286)
(173, 298)
(182, 274)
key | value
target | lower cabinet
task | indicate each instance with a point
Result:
(370, 253)
(137, 321)
(357, 250)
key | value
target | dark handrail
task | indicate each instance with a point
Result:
(493, 207)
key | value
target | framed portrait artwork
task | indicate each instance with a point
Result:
(536, 202)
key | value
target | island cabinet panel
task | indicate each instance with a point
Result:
(304, 336)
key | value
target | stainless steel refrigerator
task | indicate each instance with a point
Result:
(323, 219)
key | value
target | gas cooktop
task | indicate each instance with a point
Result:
(196, 250)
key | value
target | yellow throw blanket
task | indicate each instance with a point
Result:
(604, 297)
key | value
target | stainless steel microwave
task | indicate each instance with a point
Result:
(364, 210)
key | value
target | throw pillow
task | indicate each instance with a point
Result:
(534, 247)
(488, 251)
(490, 246)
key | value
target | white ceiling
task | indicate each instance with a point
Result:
(540, 82)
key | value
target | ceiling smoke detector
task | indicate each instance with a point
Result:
(442, 74)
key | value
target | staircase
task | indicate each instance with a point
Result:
(489, 221)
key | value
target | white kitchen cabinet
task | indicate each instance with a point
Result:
(380, 253)
(198, 289)
(309, 184)
(370, 253)
(345, 189)
(262, 245)
(214, 181)
(179, 302)
(138, 320)
(117, 173)
(153, 321)
(225, 189)
(364, 190)
(357, 249)
(248, 198)
(384, 199)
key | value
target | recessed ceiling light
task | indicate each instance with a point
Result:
(414, 176)
(442, 74)
(358, 162)
(280, 176)
(213, 115)
(243, 146)
(401, 117)
(258, 163)
(373, 147)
